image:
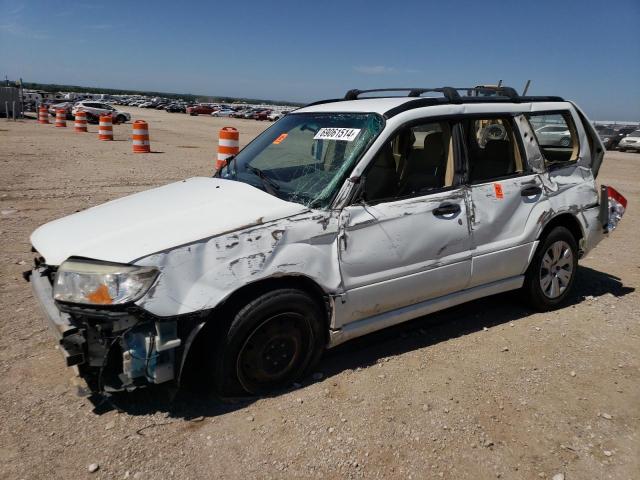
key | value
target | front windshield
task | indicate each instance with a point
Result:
(305, 157)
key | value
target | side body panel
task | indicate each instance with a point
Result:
(401, 253)
(201, 275)
(504, 227)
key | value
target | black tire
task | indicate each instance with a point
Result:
(621, 149)
(121, 119)
(272, 342)
(565, 142)
(535, 290)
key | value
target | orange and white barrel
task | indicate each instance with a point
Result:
(80, 124)
(228, 145)
(140, 137)
(43, 115)
(61, 118)
(105, 127)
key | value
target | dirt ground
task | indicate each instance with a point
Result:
(486, 390)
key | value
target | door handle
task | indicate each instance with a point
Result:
(446, 209)
(531, 191)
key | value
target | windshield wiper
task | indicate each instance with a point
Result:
(270, 185)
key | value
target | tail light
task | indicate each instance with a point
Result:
(615, 205)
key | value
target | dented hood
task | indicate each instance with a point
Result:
(132, 227)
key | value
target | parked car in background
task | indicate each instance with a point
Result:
(630, 142)
(223, 113)
(273, 116)
(554, 135)
(95, 109)
(200, 109)
(618, 134)
(174, 107)
(66, 106)
(261, 115)
(343, 218)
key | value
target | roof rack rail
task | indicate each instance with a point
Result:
(449, 93)
(491, 90)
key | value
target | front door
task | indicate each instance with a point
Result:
(408, 239)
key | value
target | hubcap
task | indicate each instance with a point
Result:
(556, 269)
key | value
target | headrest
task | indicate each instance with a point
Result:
(433, 145)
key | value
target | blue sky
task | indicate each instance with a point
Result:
(586, 50)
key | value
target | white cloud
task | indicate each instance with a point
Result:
(17, 30)
(374, 69)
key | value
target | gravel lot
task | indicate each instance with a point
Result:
(484, 390)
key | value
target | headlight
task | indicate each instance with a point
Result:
(96, 283)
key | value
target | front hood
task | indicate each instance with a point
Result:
(132, 227)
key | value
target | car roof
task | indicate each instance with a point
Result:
(387, 105)
(374, 105)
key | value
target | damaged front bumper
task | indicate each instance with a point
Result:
(113, 350)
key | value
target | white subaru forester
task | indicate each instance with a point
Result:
(344, 217)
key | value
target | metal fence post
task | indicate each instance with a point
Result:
(13, 110)
(6, 110)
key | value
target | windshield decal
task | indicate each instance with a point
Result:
(346, 134)
(279, 140)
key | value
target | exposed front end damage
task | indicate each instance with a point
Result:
(112, 350)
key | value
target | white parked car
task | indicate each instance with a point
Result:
(345, 217)
(95, 109)
(223, 113)
(630, 142)
(554, 135)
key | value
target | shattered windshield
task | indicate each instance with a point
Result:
(305, 157)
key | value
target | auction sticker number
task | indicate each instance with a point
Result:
(345, 134)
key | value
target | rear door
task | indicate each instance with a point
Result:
(505, 195)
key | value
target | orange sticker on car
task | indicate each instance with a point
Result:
(279, 140)
(498, 189)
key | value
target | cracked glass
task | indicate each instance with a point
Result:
(305, 157)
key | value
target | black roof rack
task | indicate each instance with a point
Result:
(478, 94)
(449, 93)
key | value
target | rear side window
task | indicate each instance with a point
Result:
(492, 149)
(556, 135)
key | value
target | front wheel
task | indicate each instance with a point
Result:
(552, 271)
(121, 119)
(271, 343)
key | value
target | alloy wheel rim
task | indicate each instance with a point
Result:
(556, 269)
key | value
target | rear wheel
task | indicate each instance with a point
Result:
(272, 342)
(552, 271)
(121, 119)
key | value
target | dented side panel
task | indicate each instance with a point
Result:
(400, 253)
(199, 276)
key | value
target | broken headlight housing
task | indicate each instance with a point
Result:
(95, 283)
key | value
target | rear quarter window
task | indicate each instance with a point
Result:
(556, 135)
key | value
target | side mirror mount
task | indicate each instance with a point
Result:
(360, 196)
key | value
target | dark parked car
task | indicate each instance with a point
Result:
(176, 108)
(200, 110)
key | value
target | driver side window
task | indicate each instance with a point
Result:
(416, 161)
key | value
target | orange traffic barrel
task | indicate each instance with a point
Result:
(228, 145)
(80, 124)
(43, 115)
(140, 137)
(105, 127)
(61, 118)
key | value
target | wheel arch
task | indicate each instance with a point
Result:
(570, 222)
(218, 319)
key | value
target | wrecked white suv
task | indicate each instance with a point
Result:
(344, 217)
